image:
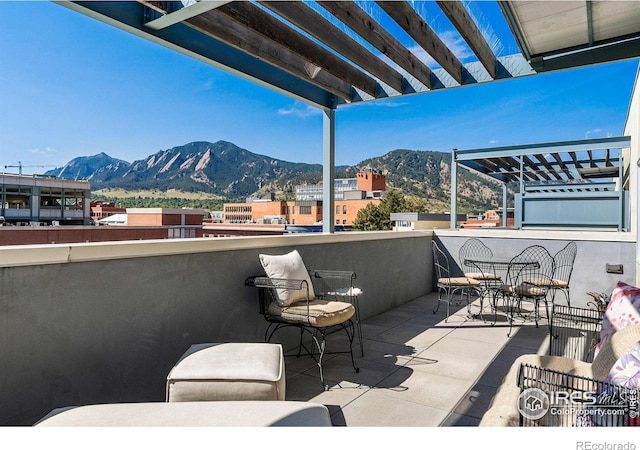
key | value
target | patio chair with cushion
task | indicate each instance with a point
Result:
(528, 279)
(449, 285)
(287, 298)
(563, 268)
(475, 261)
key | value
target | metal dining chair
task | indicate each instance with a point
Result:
(528, 279)
(563, 260)
(563, 267)
(475, 259)
(449, 285)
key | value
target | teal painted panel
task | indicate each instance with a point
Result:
(566, 210)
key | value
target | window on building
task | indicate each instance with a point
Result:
(73, 200)
(17, 197)
(344, 209)
(305, 209)
(337, 209)
(51, 198)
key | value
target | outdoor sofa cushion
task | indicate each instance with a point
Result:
(625, 372)
(623, 309)
(191, 414)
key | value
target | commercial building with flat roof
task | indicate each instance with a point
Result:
(43, 200)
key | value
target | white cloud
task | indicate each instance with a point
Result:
(300, 110)
(42, 151)
(596, 132)
(452, 40)
(381, 103)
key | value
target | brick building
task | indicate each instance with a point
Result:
(351, 195)
(101, 210)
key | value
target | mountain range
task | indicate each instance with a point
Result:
(232, 173)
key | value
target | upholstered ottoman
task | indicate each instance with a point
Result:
(229, 371)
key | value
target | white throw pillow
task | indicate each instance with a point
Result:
(291, 267)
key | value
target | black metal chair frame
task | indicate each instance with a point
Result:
(443, 271)
(564, 261)
(324, 284)
(470, 255)
(267, 293)
(528, 279)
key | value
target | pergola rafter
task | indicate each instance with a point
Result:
(313, 23)
(375, 34)
(468, 29)
(271, 28)
(415, 26)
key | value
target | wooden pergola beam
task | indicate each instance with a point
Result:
(409, 20)
(574, 158)
(493, 168)
(235, 35)
(468, 29)
(547, 166)
(259, 21)
(320, 28)
(365, 26)
(562, 165)
(533, 166)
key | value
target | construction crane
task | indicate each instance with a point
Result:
(20, 166)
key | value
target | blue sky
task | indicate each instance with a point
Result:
(72, 86)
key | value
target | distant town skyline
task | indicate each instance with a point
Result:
(72, 86)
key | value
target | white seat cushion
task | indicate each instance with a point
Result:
(459, 281)
(319, 313)
(482, 276)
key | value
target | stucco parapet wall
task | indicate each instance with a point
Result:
(26, 255)
(546, 234)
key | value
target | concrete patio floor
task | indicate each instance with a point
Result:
(417, 370)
